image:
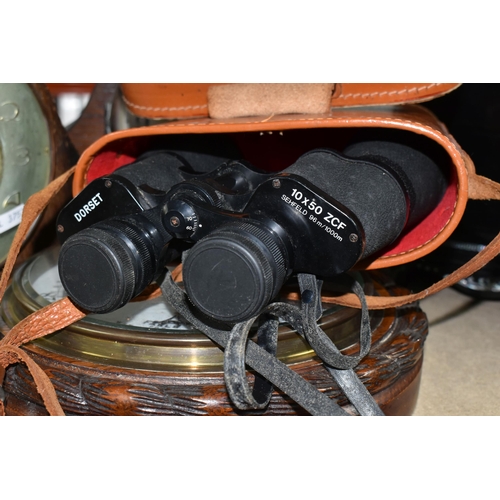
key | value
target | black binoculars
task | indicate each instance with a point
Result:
(242, 232)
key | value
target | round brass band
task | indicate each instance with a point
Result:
(150, 346)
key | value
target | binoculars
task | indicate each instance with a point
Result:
(241, 232)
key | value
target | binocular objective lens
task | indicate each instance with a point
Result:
(105, 266)
(233, 273)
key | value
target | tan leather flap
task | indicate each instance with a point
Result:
(188, 100)
(265, 99)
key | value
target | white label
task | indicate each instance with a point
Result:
(11, 219)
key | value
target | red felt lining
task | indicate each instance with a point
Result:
(432, 225)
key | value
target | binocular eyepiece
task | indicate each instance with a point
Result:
(243, 232)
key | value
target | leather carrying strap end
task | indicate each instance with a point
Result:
(44, 321)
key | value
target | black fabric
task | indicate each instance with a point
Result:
(160, 171)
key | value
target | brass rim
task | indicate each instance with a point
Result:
(156, 349)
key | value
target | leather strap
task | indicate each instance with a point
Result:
(51, 318)
(482, 188)
(32, 209)
(339, 366)
(317, 338)
(40, 323)
(10, 354)
(279, 374)
(235, 378)
(304, 320)
(477, 262)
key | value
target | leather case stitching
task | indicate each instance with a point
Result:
(151, 108)
(414, 90)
